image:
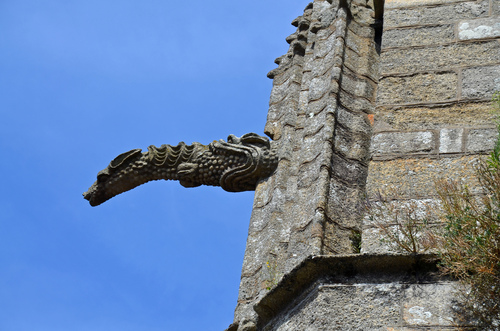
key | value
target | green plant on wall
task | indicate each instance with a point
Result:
(404, 224)
(470, 245)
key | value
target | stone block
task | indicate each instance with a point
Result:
(280, 92)
(360, 30)
(421, 88)
(429, 304)
(323, 12)
(437, 58)
(337, 240)
(264, 192)
(363, 64)
(359, 44)
(292, 74)
(372, 242)
(319, 126)
(319, 86)
(344, 205)
(480, 82)
(354, 122)
(357, 86)
(279, 115)
(352, 145)
(317, 106)
(308, 173)
(247, 284)
(479, 29)
(319, 68)
(450, 140)
(325, 46)
(416, 177)
(429, 118)
(375, 307)
(354, 104)
(349, 171)
(481, 140)
(396, 207)
(427, 35)
(402, 143)
(448, 13)
(391, 4)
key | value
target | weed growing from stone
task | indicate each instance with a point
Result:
(470, 245)
(468, 242)
(405, 225)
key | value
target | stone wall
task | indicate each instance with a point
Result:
(361, 292)
(358, 107)
(439, 66)
(323, 90)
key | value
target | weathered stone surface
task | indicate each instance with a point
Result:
(360, 292)
(480, 82)
(415, 177)
(418, 118)
(450, 140)
(325, 47)
(356, 122)
(432, 115)
(481, 140)
(351, 144)
(292, 74)
(418, 310)
(421, 88)
(343, 204)
(396, 208)
(495, 8)
(363, 64)
(357, 86)
(289, 222)
(402, 143)
(391, 203)
(479, 29)
(350, 102)
(440, 57)
(318, 87)
(362, 30)
(373, 242)
(280, 92)
(375, 307)
(391, 4)
(348, 170)
(359, 44)
(428, 35)
(436, 15)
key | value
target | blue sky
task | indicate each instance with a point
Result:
(80, 83)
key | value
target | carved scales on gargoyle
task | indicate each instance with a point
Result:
(235, 165)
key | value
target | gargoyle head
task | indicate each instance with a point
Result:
(257, 160)
(103, 188)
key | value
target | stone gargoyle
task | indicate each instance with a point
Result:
(235, 165)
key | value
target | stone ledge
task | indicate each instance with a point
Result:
(347, 270)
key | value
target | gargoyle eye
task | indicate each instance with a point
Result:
(232, 139)
(254, 139)
(102, 177)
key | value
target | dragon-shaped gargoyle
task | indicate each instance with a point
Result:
(235, 165)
